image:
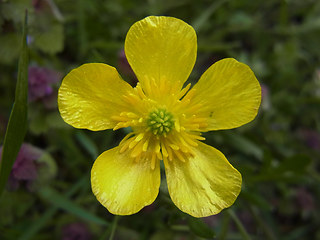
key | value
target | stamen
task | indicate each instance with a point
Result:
(157, 147)
(180, 157)
(177, 125)
(159, 155)
(184, 91)
(132, 144)
(195, 108)
(164, 150)
(169, 153)
(190, 94)
(145, 145)
(198, 137)
(125, 138)
(174, 147)
(139, 137)
(137, 150)
(160, 135)
(126, 145)
(132, 99)
(153, 161)
(165, 161)
(190, 141)
(140, 92)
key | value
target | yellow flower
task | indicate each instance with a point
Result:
(166, 120)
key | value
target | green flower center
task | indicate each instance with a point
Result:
(160, 122)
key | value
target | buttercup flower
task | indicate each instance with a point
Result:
(166, 119)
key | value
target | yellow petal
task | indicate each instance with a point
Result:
(229, 93)
(122, 185)
(90, 95)
(205, 184)
(161, 50)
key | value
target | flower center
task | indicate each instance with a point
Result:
(160, 122)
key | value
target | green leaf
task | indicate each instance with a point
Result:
(87, 144)
(38, 224)
(17, 125)
(162, 234)
(51, 40)
(199, 228)
(41, 222)
(58, 200)
(244, 145)
(238, 224)
(261, 221)
(13, 10)
(256, 199)
(9, 51)
(37, 122)
(290, 169)
(199, 23)
(40, 121)
(295, 164)
(48, 169)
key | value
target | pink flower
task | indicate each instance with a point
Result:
(24, 170)
(41, 81)
(311, 138)
(305, 200)
(76, 231)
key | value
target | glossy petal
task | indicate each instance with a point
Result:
(90, 95)
(229, 93)
(123, 186)
(205, 184)
(161, 50)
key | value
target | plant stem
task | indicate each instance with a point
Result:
(114, 226)
(239, 225)
(225, 226)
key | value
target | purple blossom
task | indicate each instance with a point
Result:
(24, 169)
(311, 138)
(305, 200)
(39, 4)
(76, 231)
(40, 82)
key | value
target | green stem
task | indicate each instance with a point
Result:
(225, 226)
(181, 228)
(35, 227)
(114, 226)
(82, 32)
(239, 225)
(269, 234)
(284, 14)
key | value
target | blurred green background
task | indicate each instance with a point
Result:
(48, 194)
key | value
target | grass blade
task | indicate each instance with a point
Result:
(40, 223)
(199, 22)
(17, 125)
(114, 226)
(60, 201)
(239, 225)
